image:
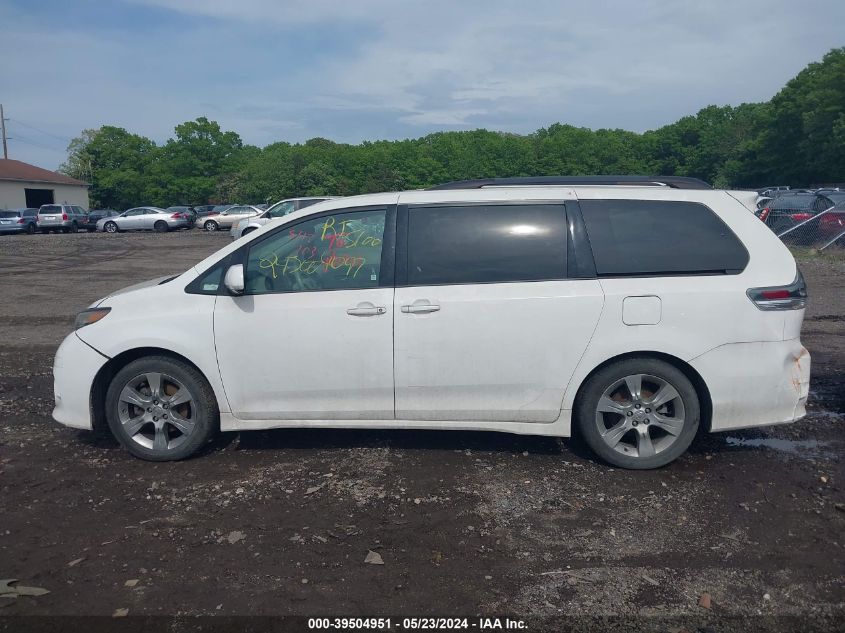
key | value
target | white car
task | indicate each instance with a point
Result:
(631, 310)
(278, 210)
(228, 218)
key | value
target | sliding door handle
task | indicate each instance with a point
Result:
(420, 308)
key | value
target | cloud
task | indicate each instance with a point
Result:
(369, 69)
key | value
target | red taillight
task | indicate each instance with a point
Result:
(176, 216)
(775, 294)
(21, 221)
(764, 214)
(800, 217)
(791, 297)
(64, 216)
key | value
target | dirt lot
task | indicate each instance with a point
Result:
(466, 523)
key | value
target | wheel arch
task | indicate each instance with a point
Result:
(100, 384)
(701, 389)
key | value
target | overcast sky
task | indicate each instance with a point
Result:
(358, 70)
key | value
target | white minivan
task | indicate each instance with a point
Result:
(629, 310)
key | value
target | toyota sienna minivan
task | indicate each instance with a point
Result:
(628, 310)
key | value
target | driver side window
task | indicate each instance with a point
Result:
(335, 252)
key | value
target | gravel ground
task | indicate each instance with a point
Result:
(278, 523)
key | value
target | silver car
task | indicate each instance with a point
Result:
(145, 219)
(67, 218)
(248, 225)
(228, 218)
(18, 221)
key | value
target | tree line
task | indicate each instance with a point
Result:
(796, 138)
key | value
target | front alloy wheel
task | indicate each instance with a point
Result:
(161, 409)
(638, 413)
(110, 227)
(211, 226)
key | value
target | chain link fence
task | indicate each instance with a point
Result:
(805, 228)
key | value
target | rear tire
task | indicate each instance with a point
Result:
(30, 228)
(74, 228)
(161, 226)
(161, 409)
(638, 413)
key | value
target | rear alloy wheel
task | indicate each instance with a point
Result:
(638, 413)
(110, 227)
(161, 409)
(211, 226)
(161, 226)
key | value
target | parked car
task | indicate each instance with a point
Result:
(144, 219)
(633, 314)
(278, 210)
(832, 223)
(203, 209)
(95, 216)
(66, 218)
(789, 209)
(226, 218)
(18, 221)
(188, 211)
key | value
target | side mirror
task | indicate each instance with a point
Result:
(234, 279)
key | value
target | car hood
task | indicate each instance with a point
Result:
(135, 287)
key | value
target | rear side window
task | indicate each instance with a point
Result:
(654, 237)
(486, 243)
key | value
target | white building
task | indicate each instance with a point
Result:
(24, 185)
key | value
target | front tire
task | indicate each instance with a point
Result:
(247, 231)
(161, 409)
(110, 227)
(638, 413)
(211, 226)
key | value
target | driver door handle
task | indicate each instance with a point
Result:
(366, 309)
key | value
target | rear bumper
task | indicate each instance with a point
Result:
(756, 384)
(74, 369)
(13, 228)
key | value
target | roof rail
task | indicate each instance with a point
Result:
(675, 182)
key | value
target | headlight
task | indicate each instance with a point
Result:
(87, 317)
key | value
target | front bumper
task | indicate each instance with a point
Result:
(756, 384)
(74, 369)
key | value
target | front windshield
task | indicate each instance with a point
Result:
(279, 209)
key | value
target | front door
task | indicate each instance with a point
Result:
(312, 336)
(487, 326)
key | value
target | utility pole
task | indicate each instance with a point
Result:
(3, 126)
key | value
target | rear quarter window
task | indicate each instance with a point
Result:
(659, 237)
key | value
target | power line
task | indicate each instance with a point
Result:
(28, 141)
(32, 127)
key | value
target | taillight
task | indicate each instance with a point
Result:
(764, 214)
(21, 221)
(791, 297)
(175, 216)
(64, 216)
(800, 217)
